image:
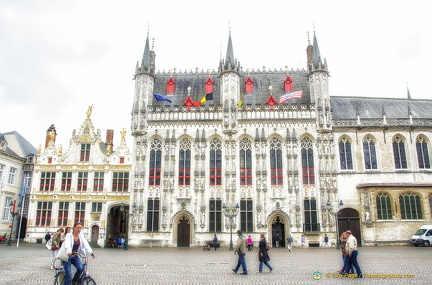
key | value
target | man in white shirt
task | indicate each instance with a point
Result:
(351, 251)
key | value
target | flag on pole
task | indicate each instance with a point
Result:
(239, 104)
(291, 95)
(161, 98)
(208, 96)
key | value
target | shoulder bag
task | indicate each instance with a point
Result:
(49, 244)
(62, 255)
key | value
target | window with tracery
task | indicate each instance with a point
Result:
(155, 163)
(369, 153)
(410, 206)
(422, 153)
(383, 205)
(215, 162)
(215, 216)
(345, 154)
(245, 162)
(307, 162)
(399, 153)
(276, 162)
(184, 162)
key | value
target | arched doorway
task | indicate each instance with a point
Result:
(349, 219)
(183, 232)
(94, 235)
(117, 224)
(278, 230)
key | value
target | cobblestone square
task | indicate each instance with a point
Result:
(30, 262)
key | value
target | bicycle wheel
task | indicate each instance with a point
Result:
(88, 281)
(59, 278)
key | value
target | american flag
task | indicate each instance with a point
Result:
(286, 97)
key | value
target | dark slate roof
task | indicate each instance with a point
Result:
(261, 80)
(26, 147)
(370, 108)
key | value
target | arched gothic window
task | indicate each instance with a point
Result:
(399, 153)
(249, 85)
(288, 85)
(170, 86)
(422, 153)
(383, 205)
(369, 153)
(307, 162)
(155, 163)
(184, 162)
(245, 162)
(276, 162)
(215, 162)
(345, 154)
(209, 86)
(410, 206)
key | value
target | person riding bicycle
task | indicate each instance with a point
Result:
(75, 242)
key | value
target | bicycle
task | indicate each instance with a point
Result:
(84, 279)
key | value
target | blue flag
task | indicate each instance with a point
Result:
(161, 98)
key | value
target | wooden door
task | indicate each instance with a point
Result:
(183, 233)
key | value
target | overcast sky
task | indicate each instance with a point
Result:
(57, 57)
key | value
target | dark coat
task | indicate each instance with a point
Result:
(262, 253)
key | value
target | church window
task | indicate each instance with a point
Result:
(245, 162)
(155, 163)
(246, 216)
(249, 88)
(80, 212)
(345, 154)
(63, 212)
(47, 181)
(152, 215)
(98, 181)
(410, 206)
(209, 86)
(215, 162)
(276, 162)
(215, 216)
(307, 162)
(120, 182)
(369, 153)
(82, 181)
(43, 214)
(399, 153)
(311, 217)
(184, 162)
(383, 204)
(288, 85)
(170, 86)
(422, 153)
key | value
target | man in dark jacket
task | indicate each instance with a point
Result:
(47, 237)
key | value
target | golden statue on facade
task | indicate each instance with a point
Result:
(123, 134)
(89, 111)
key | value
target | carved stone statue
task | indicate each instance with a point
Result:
(89, 111)
(123, 134)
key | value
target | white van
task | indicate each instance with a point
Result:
(422, 236)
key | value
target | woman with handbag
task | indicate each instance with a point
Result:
(263, 254)
(55, 246)
(74, 243)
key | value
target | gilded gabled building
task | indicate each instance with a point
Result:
(88, 182)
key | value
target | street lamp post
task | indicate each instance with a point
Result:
(330, 209)
(13, 220)
(231, 213)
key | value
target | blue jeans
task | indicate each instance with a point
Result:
(242, 262)
(352, 262)
(75, 260)
(261, 266)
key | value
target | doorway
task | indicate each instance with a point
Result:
(94, 235)
(278, 231)
(349, 219)
(183, 232)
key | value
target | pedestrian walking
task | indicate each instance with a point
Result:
(249, 243)
(240, 247)
(343, 239)
(263, 256)
(352, 253)
(215, 239)
(47, 237)
(289, 242)
(55, 247)
(326, 241)
(277, 240)
(303, 241)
